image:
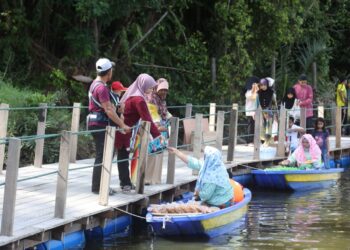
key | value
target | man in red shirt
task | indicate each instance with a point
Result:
(101, 112)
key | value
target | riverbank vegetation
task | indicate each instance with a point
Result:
(206, 49)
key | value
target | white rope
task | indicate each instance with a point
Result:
(243, 165)
(166, 219)
(126, 212)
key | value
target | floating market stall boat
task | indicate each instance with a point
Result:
(297, 180)
(207, 225)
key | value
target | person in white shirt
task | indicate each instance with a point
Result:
(251, 90)
(292, 134)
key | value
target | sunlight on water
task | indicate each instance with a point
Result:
(312, 220)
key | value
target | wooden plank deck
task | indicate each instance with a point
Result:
(35, 202)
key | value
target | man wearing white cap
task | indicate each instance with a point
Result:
(101, 113)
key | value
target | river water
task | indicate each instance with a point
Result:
(275, 220)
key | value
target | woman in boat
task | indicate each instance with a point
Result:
(213, 185)
(307, 155)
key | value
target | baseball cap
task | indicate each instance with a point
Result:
(104, 64)
(118, 86)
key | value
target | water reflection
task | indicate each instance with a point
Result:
(301, 220)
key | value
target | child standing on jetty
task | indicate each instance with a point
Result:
(321, 136)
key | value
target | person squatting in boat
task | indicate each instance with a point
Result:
(306, 156)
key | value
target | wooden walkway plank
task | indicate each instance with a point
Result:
(35, 201)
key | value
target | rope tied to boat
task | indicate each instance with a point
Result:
(126, 212)
(247, 166)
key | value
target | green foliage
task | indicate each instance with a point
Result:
(44, 43)
(59, 39)
(24, 122)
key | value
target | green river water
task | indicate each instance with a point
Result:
(275, 220)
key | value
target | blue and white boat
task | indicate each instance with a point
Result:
(201, 225)
(297, 180)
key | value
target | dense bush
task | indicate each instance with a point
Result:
(24, 122)
(44, 43)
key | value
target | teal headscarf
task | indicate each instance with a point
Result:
(213, 170)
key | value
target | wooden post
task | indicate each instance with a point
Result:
(62, 176)
(257, 133)
(106, 173)
(273, 68)
(74, 129)
(9, 202)
(320, 110)
(198, 139)
(213, 70)
(314, 76)
(338, 127)
(212, 111)
(188, 113)
(174, 128)
(232, 132)
(142, 163)
(220, 129)
(334, 118)
(282, 132)
(4, 115)
(39, 143)
(303, 118)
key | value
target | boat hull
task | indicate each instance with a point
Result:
(297, 180)
(203, 225)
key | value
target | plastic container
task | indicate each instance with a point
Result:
(117, 225)
(267, 153)
(74, 240)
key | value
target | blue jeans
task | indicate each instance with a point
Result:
(325, 158)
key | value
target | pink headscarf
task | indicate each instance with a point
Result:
(139, 87)
(314, 149)
(162, 84)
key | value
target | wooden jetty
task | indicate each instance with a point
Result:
(47, 202)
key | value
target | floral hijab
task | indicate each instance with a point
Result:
(213, 170)
(161, 105)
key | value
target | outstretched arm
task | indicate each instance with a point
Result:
(179, 154)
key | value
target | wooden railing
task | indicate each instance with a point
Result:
(68, 150)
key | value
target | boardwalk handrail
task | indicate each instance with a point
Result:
(66, 143)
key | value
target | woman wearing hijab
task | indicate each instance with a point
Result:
(160, 115)
(158, 98)
(213, 185)
(135, 109)
(266, 96)
(251, 90)
(307, 155)
(290, 102)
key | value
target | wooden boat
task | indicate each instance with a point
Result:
(297, 180)
(201, 225)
